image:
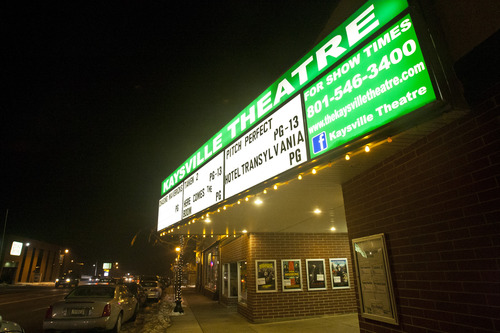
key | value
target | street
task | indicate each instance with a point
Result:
(26, 305)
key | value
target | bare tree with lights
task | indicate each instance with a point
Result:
(178, 277)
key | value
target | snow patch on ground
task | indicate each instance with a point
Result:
(154, 318)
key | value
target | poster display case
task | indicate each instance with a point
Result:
(316, 274)
(339, 272)
(291, 275)
(374, 279)
(265, 271)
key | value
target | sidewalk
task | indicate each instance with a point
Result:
(204, 315)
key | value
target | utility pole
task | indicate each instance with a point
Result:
(3, 240)
(178, 278)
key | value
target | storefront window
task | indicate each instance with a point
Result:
(225, 280)
(242, 286)
(230, 280)
(211, 268)
(233, 279)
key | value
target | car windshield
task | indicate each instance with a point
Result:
(92, 291)
(132, 287)
(149, 284)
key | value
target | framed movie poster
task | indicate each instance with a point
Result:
(339, 272)
(374, 279)
(266, 276)
(291, 275)
(316, 277)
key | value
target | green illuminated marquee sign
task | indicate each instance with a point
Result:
(359, 27)
(385, 80)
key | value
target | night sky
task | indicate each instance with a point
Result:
(100, 103)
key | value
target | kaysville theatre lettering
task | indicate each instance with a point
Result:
(362, 24)
(315, 107)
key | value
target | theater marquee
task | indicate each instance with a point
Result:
(367, 73)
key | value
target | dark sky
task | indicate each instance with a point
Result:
(100, 103)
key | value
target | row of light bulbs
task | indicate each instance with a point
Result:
(206, 218)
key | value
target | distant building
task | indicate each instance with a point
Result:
(30, 260)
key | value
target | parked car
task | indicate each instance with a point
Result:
(164, 282)
(138, 292)
(93, 279)
(92, 307)
(10, 327)
(150, 278)
(106, 281)
(67, 280)
(153, 289)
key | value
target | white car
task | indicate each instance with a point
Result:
(153, 289)
(10, 327)
(92, 307)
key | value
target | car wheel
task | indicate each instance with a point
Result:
(136, 311)
(118, 325)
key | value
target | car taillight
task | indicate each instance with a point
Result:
(107, 311)
(48, 313)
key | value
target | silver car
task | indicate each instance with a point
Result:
(9, 327)
(92, 307)
(153, 289)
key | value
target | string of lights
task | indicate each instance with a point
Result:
(257, 198)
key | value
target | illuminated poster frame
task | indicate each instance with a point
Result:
(377, 300)
(265, 276)
(291, 275)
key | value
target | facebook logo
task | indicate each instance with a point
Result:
(319, 142)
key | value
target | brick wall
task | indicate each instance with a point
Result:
(278, 246)
(438, 204)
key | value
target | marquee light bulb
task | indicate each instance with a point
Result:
(347, 157)
(367, 149)
(314, 171)
(275, 187)
(300, 177)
